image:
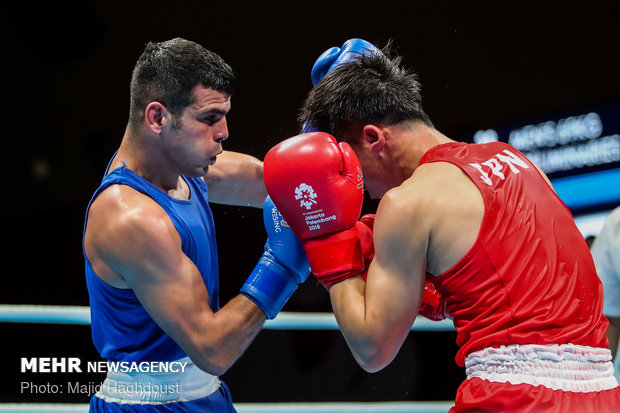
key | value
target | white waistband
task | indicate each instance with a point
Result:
(190, 383)
(567, 367)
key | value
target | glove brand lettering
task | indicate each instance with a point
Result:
(496, 167)
(360, 178)
(305, 195)
(278, 220)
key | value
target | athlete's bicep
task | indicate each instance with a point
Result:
(168, 285)
(396, 276)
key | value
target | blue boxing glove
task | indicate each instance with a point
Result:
(280, 269)
(335, 56)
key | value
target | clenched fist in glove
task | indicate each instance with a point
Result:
(334, 56)
(317, 185)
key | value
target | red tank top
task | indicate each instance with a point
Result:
(529, 277)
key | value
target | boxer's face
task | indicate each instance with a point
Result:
(194, 139)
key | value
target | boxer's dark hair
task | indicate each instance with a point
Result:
(371, 88)
(167, 72)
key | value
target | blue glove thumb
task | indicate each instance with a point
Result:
(335, 56)
(323, 63)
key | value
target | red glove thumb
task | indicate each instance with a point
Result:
(364, 229)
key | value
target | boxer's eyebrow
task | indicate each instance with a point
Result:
(211, 115)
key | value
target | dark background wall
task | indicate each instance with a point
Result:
(66, 68)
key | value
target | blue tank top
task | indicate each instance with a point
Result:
(121, 328)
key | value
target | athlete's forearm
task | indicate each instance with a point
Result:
(359, 324)
(226, 335)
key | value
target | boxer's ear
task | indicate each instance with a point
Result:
(154, 116)
(375, 137)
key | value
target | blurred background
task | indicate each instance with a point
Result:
(542, 76)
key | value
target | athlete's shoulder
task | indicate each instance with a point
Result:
(435, 179)
(123, 213)
(125, 201)
(433, 191)
(411, 201)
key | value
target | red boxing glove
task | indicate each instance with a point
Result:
(317, 185)
(364, 232)
(432, 307)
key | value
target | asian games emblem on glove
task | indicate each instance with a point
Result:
(305, 195)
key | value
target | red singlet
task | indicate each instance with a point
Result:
(529, 279)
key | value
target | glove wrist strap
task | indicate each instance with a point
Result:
(270, 285)
(335, 257)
